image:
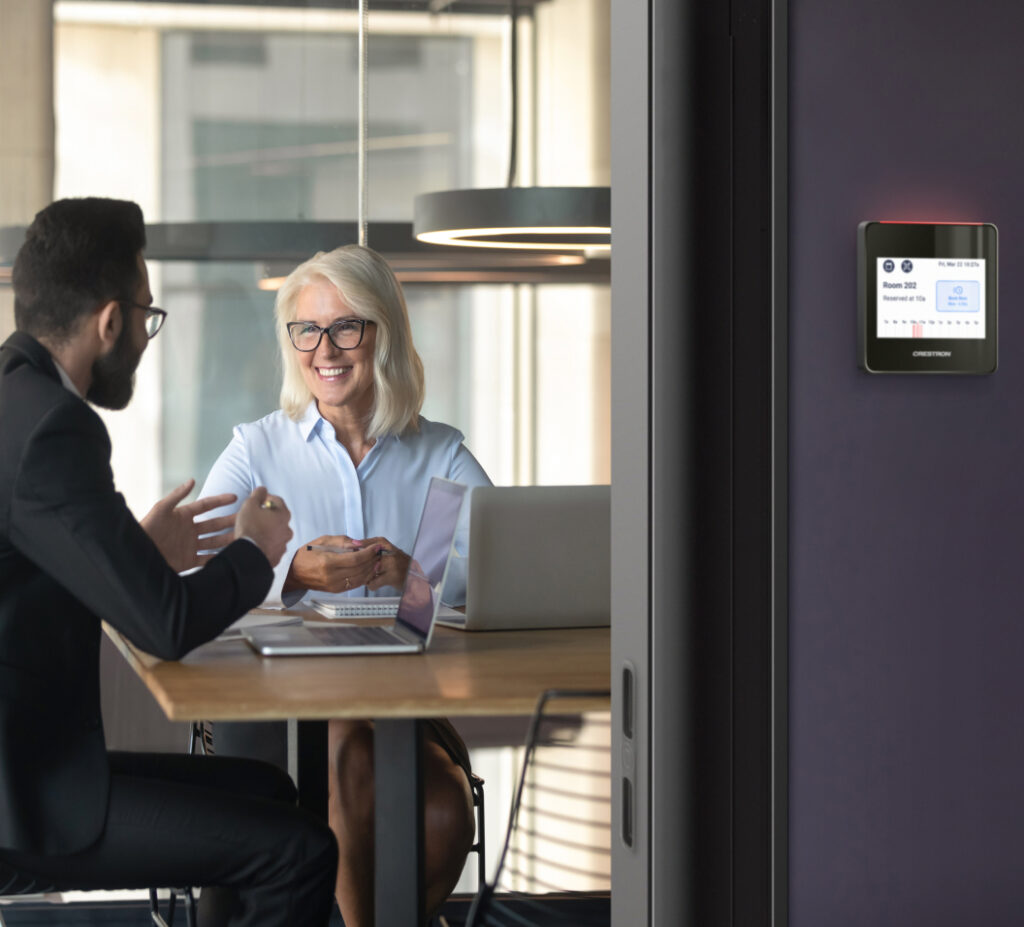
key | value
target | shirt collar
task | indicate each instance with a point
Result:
(310, 422)
(65, 379)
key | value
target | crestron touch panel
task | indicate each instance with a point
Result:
(927, 296)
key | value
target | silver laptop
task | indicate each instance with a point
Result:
(539, 557)
(417, 607)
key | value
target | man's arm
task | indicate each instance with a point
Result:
(67, 517)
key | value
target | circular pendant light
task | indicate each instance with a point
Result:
(530, 218)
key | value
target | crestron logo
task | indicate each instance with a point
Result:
(933, 354)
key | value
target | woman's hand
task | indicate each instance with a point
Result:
(347, 565)
(392, 565)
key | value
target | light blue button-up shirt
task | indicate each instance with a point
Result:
(304, 463)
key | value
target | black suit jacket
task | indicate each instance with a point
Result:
(71, 554)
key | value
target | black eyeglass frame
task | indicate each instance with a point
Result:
(152, 312)
(327, 331)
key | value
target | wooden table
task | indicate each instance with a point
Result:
(461, 675)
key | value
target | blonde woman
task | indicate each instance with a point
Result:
(352, 457)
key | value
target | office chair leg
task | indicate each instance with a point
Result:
(188, 898)
(476, 785)
(154, 909)
(200, 740)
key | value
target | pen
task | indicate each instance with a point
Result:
(331, 549)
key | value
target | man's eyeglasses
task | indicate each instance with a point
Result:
(345, 334)
(154, 316)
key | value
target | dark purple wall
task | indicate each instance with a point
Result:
(907, 513)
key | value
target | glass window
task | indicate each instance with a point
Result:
(205, 112)
(265, 126)
(229, 118)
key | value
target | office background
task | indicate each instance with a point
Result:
(209, 112)
(906, 502)
(216, 112)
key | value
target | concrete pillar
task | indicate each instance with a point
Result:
(26, 120)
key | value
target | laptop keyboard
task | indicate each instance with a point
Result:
(355, 635)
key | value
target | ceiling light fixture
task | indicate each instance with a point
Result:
(529, 218)
(532, 218)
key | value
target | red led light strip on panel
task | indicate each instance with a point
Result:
(925, 222)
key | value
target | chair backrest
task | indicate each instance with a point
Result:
(555, 865)
(13, 882)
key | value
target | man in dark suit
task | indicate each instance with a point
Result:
(72, 815)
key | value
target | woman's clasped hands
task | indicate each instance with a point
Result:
(392, 565)
(337, 563)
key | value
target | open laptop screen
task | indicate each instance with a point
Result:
(429, 559)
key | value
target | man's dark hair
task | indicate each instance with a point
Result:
(78, 254)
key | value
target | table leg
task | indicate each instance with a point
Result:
(398, 786)
(308, 750)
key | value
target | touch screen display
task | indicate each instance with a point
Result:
(927, 297)
(924, 297)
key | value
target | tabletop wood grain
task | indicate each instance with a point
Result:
(461, 675)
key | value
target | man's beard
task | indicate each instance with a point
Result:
(113, 374)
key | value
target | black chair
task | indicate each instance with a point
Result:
(476, 785)
(14, 883)
(200, 740)
(187, 898)
(541, 885)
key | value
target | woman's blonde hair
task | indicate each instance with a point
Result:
(364, 281)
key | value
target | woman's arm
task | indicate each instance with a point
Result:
(230, 474)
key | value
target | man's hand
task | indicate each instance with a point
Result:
(263, 519)
(175, 532)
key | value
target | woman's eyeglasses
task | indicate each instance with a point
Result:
(345, 334)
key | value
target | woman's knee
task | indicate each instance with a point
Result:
(350, 757)
(449, 819)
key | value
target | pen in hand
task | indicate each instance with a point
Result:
(332, 549)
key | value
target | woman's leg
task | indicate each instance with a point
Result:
(449, 823)
(350, 814)
(448, 819)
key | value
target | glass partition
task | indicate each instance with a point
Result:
(241, 113)
(229, 112)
